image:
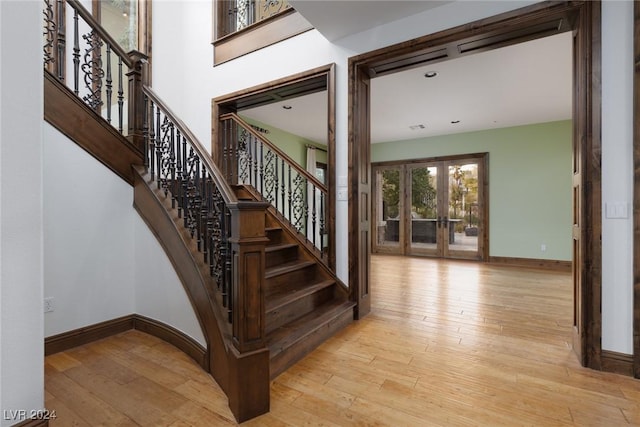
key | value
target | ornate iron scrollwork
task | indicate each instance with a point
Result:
(270, 182)
(92, 69)
(49, 32)
(298, 203)
(166, 154)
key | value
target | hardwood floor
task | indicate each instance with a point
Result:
(446, 344)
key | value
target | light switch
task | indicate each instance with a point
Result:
(616, 210)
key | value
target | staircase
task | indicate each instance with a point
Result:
(304, 303)
(263, 293)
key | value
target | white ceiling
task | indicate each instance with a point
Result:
(338, 18)
(520, 84)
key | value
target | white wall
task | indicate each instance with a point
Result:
(88, 237)
(21, 282)
(189, 91)
(101, 261)
(196, 82)
(617, 175)
(159, 294)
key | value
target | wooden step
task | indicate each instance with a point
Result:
(288, 276)
(274, 234)
(280, 253)
(291, 342)
(284, 307)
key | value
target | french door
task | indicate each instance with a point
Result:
(431, 207)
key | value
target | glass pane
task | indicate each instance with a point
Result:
(463, 207)
(424, 207)
(120, 19)
(388, 207)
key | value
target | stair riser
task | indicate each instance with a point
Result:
(281, 256)
(295, 309)
(285, 359)
(274, 236)
(289, 281)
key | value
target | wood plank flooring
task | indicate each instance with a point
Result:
(447, 344)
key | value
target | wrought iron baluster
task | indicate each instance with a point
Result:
(255, 164)
(228, 256)
(145, 130)
(225, 156)
(61, 58)
(152, 140)
(249, 155)
(92, 69)
(313, 215)
(120, 97)
(158, 138)
(322, 218)
(277, 181)
(185, 177)
(76, 54)
(261, 168)
(283, 191)
(178, 173)
(289, 194)
(109, 82)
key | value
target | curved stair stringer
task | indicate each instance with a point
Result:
(222, 360)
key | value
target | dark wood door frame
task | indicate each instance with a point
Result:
(304, 83)
(539, 20)
(636, 192)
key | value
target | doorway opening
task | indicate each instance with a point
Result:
(529, 23)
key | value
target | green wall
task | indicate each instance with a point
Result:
(529, 183)
(295, 146)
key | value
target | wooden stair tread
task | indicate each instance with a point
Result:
(287, 267)
(280, 246)
(281, 299)
(288, 335)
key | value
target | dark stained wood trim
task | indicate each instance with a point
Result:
(262, 34)
(584, 18)
(81, 336)
(544, 264)
(618, 363)
(636, 190)
(227, 366)
(273, 89)
(67, 113)
(174, 337)
(591, 148)
(33, 423)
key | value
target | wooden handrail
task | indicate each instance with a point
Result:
(226, 191)
(310, 178)
(95, 25)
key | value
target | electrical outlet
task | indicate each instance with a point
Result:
(48, 305)
(543, 247)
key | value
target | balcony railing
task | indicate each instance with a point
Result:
(236, 15)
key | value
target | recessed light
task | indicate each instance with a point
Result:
(455, 122)
(287, 107)
(430, 74)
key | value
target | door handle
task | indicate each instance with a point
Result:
(439, 221)
(445, 221)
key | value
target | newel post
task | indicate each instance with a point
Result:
(137, 77)
(249, 368)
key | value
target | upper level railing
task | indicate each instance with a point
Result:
(298, 196)
(80, 53)
(235, 15)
